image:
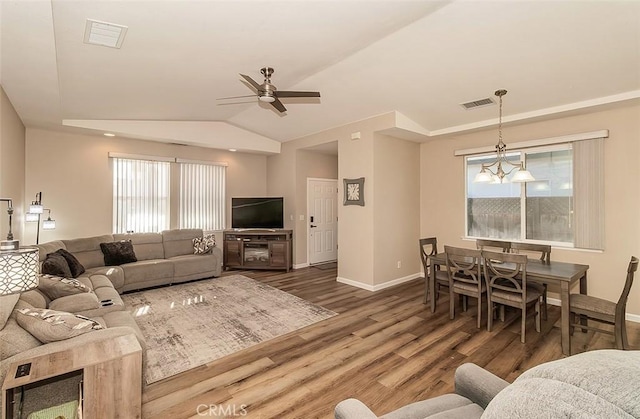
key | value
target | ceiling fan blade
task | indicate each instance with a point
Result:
(251, 81)
(234, 103)
(234, 97)
(278, 105)
(285, 93)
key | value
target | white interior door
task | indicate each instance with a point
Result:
(322, 220)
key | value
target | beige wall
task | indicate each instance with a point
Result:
(396, 217)
(442, 192)
(73, 173)
(12, 166)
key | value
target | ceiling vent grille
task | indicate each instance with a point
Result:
(478, 103)
(104, 34)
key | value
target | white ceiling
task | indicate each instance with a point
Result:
(419, 58)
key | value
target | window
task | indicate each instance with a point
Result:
(140, 195)
(534, 211)
(564, 206)
(202, 196)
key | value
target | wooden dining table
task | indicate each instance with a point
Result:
(563, 274)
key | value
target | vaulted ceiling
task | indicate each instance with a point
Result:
(419, 58)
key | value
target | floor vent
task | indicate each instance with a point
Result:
(478, 103)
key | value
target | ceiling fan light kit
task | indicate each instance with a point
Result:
(268, 93)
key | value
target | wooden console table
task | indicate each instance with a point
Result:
(111, 376)
(258, 249)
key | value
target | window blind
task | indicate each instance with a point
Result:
(202, 196)
(588, 192)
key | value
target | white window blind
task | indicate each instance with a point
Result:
(202, 196)
(141, 195)
(589, 193)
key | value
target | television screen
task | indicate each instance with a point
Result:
(257, 212)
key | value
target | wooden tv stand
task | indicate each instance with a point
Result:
(258, 249)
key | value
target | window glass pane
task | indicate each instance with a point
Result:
(493, 209)
(549, 199)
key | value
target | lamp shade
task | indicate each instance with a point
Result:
(483, 176)
(522, 175)
(18, 270)
(49, 224)
(31, 217)
(36, 208)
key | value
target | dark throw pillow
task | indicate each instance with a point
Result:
(56, 264)
(74, 264)
(118, 253)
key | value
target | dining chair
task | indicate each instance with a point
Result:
(429, 247)
(464, 270)
(604, 311)
(484, 244)
(543, 251)
(506, 276)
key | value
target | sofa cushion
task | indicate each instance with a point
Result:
(193, 266)
(50, 325)
(148, 270)
(445, 406)
(55, 286)
(179, 242)
(74, 265)
(118, 253)
(87, 250)
(14, 340)
(592, 384)
(35, 298)
(75, 303)
(204, 244)
(56, 264)
(50, 247)
(105, 276)
(7, 303)
(146, 246)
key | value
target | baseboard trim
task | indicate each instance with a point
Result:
(300, 265)
(629, 316)
(378, 287)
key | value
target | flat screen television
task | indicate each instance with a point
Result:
(257, 213)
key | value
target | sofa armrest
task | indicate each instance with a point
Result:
(353, 409)
(477, 384)
(75, 303)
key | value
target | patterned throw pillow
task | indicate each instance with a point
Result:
(202, 245)
(56, 264)
(51, 326)
(55, 286)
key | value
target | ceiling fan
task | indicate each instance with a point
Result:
(267, 92)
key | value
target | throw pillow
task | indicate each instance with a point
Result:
(55, 287)
(56, 264)
(204, 244)
(74, 264)
(118, 253)
(50, 325)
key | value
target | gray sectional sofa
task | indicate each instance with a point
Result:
(597, 384)
(163, 258)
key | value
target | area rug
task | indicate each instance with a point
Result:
(188, 325)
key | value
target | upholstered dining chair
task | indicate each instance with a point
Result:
(543, 252)
(506, 276)
(485, 244)
(604, 311)
(464, 269)
(429, 247)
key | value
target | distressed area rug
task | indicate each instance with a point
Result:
(188, 325)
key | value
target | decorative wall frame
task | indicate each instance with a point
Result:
(354, 192)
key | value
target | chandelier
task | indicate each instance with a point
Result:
(502, 167)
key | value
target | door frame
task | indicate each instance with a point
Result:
(308, 229)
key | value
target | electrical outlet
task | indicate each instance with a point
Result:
(23, 370)
(399, 264)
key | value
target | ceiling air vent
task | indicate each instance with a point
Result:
(103, 33)
(478, 103)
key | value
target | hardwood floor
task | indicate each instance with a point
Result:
(384, 348)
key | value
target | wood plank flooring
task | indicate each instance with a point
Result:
(385, 348)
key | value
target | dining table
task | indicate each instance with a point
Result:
(562, 274)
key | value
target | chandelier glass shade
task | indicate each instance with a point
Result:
(498, 170)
